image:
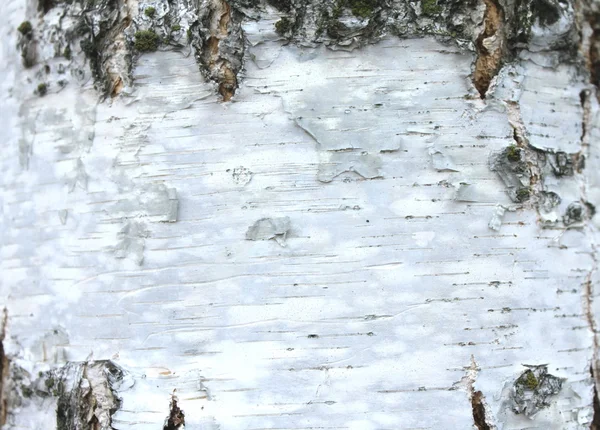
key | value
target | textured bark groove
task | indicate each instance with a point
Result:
(357, 201)
(223, 48)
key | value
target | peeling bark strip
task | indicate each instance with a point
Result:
(222, 47)
(491, 45)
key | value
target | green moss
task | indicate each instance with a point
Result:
(513, 153)
(523, 194)
(528, 380)
(67, 52)
(524, 20)
(59, 390)
(430, 7)
(27, 391)
(283, 26)
(189, 35)
(49, 382)
(25, 28)
(176, 27)
(146, 41)
(42, 90)
(362, 8)
(532, 381)
(337, 10)
(150, 12)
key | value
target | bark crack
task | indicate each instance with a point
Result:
(479, 411)
(176, 419)
(480, 416)
(593, 52)
(222, 48)
(4, 367)
(596, 402)
(490, 45)
(584, 97)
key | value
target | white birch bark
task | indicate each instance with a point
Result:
(341, 245)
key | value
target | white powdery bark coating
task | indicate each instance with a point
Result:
(392, 297)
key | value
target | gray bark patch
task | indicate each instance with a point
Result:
(132, 242)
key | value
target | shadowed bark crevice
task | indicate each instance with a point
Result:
(491, 46)
(479, 411)
(4, 365)
(221, 46)
(176, 419)
(596, 421)
(4, 368)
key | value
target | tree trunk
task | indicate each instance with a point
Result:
(349, 214)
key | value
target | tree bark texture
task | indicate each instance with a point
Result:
(299, 214)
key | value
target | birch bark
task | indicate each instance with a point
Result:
(356, 214)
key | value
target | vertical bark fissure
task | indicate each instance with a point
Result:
(476, 397)
(584, 97)
(590, 47)
(176, 419)
(596, 420)
(4, 365)
(589, 39)
(594, 54)
(490, 46)
(526, 153)
(222, 50)
(589, 314)
(479, 411)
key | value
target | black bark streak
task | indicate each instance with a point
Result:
(3, 373)
(596, 421)
(176, 419)
(4, 364)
